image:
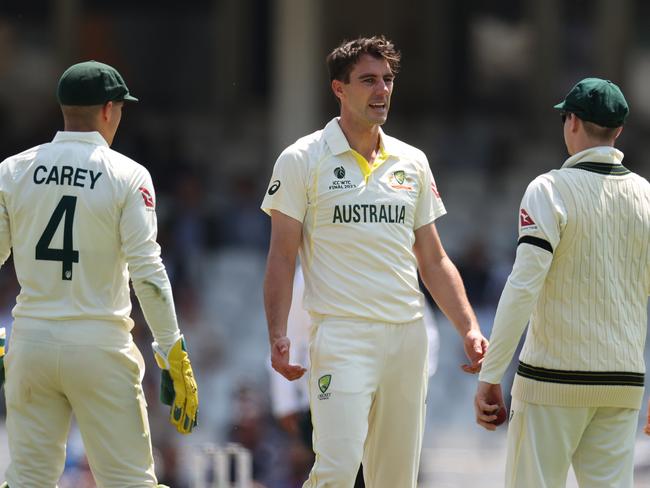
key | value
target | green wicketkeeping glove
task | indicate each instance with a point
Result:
(3, 337)
(178, 387)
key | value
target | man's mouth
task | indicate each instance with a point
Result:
(378, 105)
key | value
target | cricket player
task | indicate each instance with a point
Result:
(80, 219)
(361, 205)
(582, 277)
(290, 399)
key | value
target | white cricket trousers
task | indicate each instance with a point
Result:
(367, 388)
(544, 440)
(89, 368)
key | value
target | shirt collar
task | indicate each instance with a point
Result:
(338, 143)
(93, 137)
(601, 154)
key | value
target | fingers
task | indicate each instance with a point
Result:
(281, 345)
(486, 425)
(486, 413)
(475, 349)
(489, 407)
(282, 348)
(289, 371)
(177, 413)
(186, 401)
(183, 415)
(469, 369)
(484, 408)
(472, 368)
(280, 360)
(191, 404)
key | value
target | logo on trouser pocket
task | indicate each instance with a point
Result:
(323, 384)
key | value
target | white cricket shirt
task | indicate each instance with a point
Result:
(358, 223)
(81, 219)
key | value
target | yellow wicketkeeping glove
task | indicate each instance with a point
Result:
(178, 387)
(3, 337)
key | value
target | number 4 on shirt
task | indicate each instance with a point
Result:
(63, 211)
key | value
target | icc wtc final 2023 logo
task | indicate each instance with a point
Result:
(340, 183)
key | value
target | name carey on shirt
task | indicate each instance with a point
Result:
(66, 175)
(369, 213)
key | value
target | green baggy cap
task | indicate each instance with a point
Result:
(92, 83)
(598, 101)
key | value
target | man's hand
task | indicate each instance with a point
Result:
(475, 346)
(3, 338)
(488, 405)
(280, 360)
(178, 387)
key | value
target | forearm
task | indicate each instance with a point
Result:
(156, 300)
(446, 287)
(278, 287)
(510, 321)
(515, 307)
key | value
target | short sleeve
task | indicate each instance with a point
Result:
(138, 227)
(542, 214)
(287, 191)
(5, 228)
(429, 206)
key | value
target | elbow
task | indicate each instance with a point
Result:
(524, 289)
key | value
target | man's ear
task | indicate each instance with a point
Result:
(107, 111)
(574, 123)
(618, 132)
(337, 88)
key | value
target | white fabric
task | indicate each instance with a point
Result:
(89, 368)
(288, 397)
(111, 213)
(543, 441)
(356, 229)
(373, 406)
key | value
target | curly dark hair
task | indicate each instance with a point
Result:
(343, 58)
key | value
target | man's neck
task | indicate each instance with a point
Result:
(363, 139)
(583, 145)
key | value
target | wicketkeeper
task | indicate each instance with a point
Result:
(81, 221)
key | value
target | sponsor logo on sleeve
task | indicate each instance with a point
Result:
(275, 186)
(147, 197)
(525, 220)
(434, 189)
